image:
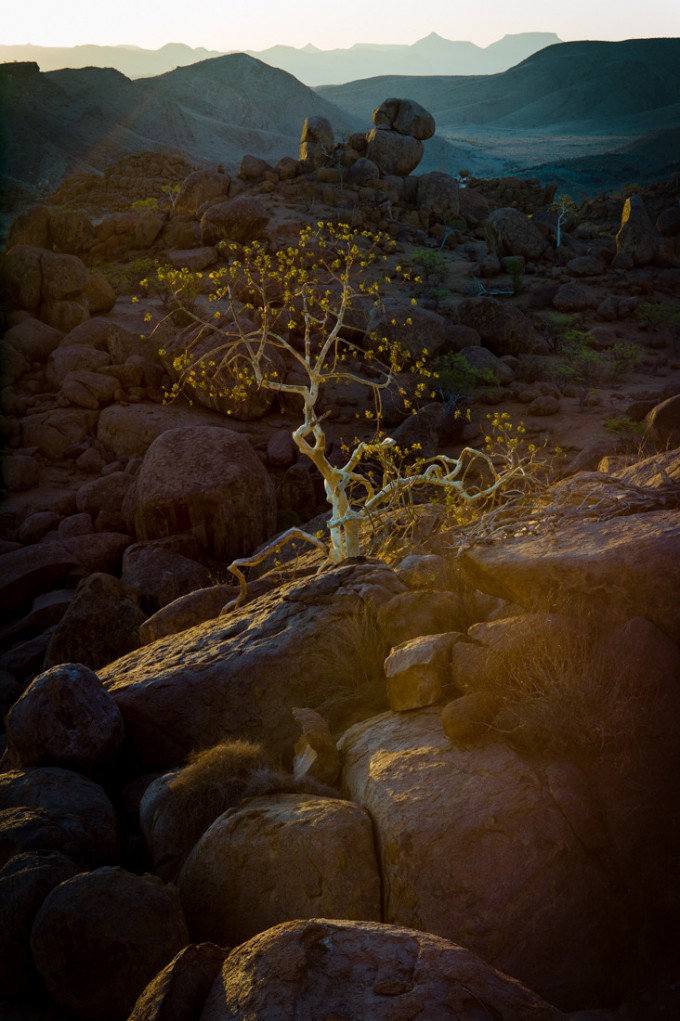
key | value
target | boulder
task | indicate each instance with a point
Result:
(362, 172)
(316, 753)
(22, 276)
(392, 152)
(200, 187)
(463, 829)
(106, 493)
(414, 328)
(573, 297)
(130, 431)
(405, 116)
(31, 227)
(209, 482)
(53, 432)
(185, 612)
(161, 575)
(34, 339)
(89, 389)
(344, 969)
(317, 142)
(241, 219)
(437, 194)
(71, 358)
(106, 336)
(99, 294)
(100, 937)
(633, 562)
(278, 858)
(425, 612)
(231, 389)
(662, 423)
(64, 718)
(25, 830)
(504, 330)
(25, 881)
(101, 552)
(637, 240)
(485, 360)
(71, 231)
(63, 277)
(511, 232)
(215, 680)
(31, 571)
(101, 623)
(179, 991)
(20, 472)
(78, 808)
(417, 671)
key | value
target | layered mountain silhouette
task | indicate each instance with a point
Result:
(431, 55)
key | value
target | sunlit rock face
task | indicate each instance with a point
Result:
(478, 845)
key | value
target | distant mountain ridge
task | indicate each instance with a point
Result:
(630, 87)
(431, 55)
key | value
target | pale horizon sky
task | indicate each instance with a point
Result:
(226, 25)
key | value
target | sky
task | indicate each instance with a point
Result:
(226, 25)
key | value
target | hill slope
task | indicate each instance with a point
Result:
(214, 111)
(584, 87)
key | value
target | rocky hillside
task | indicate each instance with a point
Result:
(437, 779)
(214, 111)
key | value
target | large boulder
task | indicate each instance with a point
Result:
(276, 859)
(505, 330)
(241, 219)
(637, 242)
(318, 638)
(130, 431)
(78, 807)
(64, 718)
(463, 829)
(343, 969)
(317, 141)
(25, 881)
(200, 187)
(209, 482)
(632, 562)
(161, 575)
(101, 623)
(405, 116)
(511, 232)
(100, 937)
(178, 807)
(30, 571)
(393, 152)
(179, 991)
(438, 195)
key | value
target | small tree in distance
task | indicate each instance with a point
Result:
(277, 323)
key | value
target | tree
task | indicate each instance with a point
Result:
(277, 323)
(564, 207)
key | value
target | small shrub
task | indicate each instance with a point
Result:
(458, 381)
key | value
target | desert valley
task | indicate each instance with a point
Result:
(340, 545)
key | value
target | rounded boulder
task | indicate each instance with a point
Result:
(100, 937)
(208, 481)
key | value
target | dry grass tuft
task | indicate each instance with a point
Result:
(563, 690)
(214, 780)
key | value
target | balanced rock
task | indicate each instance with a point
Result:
(393, 152)
(405, 116)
